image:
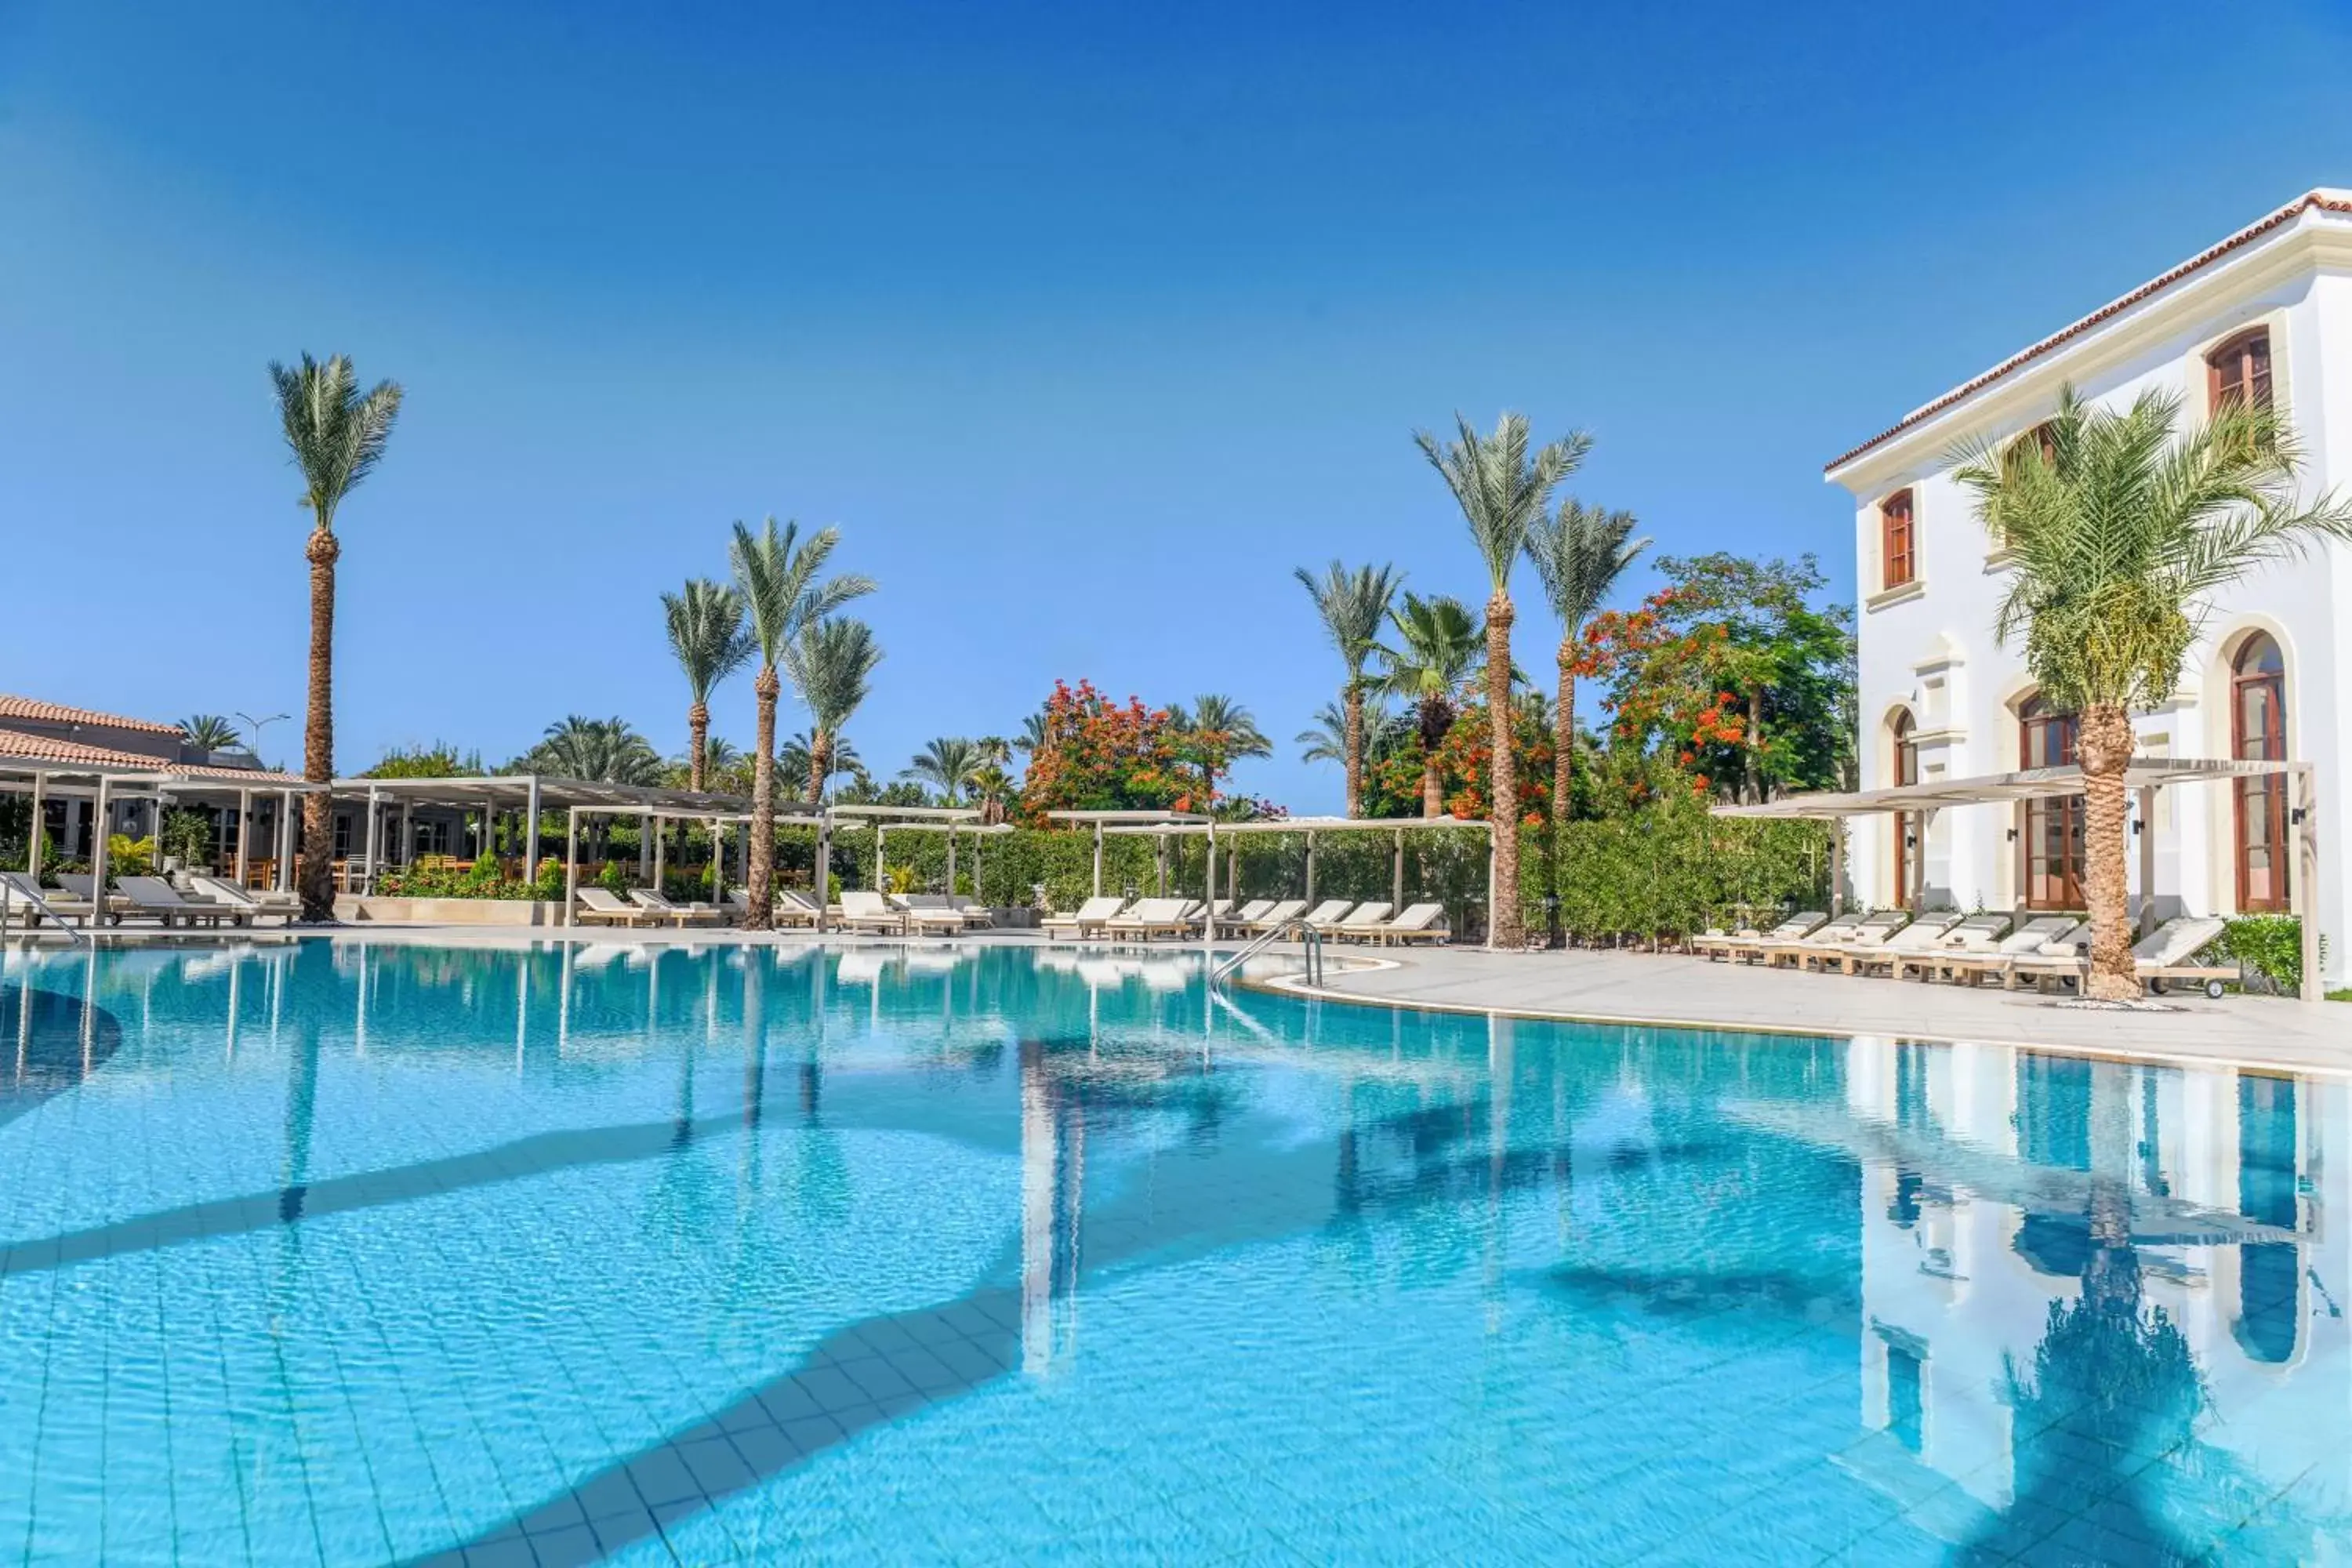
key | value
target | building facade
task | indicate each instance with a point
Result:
(2264, 315)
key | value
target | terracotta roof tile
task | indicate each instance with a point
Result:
(49, 749)
(2316, 201)
(58, 714)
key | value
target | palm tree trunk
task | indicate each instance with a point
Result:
(1563, 736)
(820, 765)
(760, 865)
(1752, 752)
(1355, 705)
(2104, 747)
(319, 731)
(1504, 930)
(1433, 785)
(698, 742)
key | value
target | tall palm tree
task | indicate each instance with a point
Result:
(336, 433)
(2120, 532)
(795, 755)
(1439, 646)
(1502, 488)
(1221, 732)
(947, 764)
(209, 733)
(708, 637)
(779, 575)
(831, 667)
(1352, 606)
(1034, 730)
(1579, 552)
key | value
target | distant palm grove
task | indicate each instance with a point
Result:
(1731, 679)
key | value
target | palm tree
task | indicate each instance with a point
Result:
(1502, 489)
(794, 756)
(707, 635)
(336, 433)
(1034, 732)
(1439, 646)
(209, 733)
(2120, 533)
(948, 764)
(1580, 553)
(991, 787)
(598, 751)
(1221, 732)
(778, 577)
(1326, 741)
(1352, 604)
(831, 667)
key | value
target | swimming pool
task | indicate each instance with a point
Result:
(363, 1253)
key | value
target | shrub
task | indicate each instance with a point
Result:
(187, 837)
(2269, 945)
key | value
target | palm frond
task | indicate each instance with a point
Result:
(1579, 553)
(778, 574)
(1501, 487)
(1352, 604)
(831, 665)
(707, 635)
(335, 434)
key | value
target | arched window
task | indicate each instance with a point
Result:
(2239, 372)
(2053, 825)
(1908, 825)
(2258, 733)
(1898, 548)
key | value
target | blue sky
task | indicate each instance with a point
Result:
(1086, 324)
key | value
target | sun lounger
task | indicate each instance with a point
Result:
(1237, 923)
(1742, 945)
(930, 912)
(1978, 933)
(794, 907)
(1329, 912)
(154, 897)
(1877, 931)
(27, 899)
(2165, 955)
(1777, 951)
(600, 906)
(862, 909)
(659, 906)
(1089, 917)
(1973, 965)
(78, 885)
(253, 902)
(1920, 936)
(1420, 922)
(1362, 919)
(1831, 944)
(1281, 913)
(977, 916)
(1154, 917)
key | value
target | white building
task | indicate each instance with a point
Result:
(2266, 314)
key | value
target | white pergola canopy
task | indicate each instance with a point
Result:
(2143, 777)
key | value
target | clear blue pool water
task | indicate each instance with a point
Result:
(389, 1254)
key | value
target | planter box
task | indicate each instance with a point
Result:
(449, 912)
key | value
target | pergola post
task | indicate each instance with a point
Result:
(1099, 835)
(1160, 864)
(571, 862)
(645, 847)
(654, 825)
(878, 886)
(1396, 878)
(1208, 905)
(1310, 868)
(530, 828)
(824, 865)
(244, 833)
(2303, 888)
(951, 861)
(97, 878)
(33, 839)
(2147, 830)
(407, 836)
(367, 860)
(285, 840)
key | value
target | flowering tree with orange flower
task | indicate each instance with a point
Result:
(1732, 671)
(1095, 754)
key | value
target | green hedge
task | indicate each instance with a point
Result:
(1666, 873)
(2269, 945)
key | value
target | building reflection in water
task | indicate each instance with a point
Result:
(2100, 1290)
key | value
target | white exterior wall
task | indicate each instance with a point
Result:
(1931, 647)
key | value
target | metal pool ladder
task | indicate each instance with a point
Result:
(1265, 938)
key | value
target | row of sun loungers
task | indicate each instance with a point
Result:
(1146, 919)
(207, 902)
(1970, 948)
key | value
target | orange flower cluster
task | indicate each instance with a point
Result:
(1101, 755)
